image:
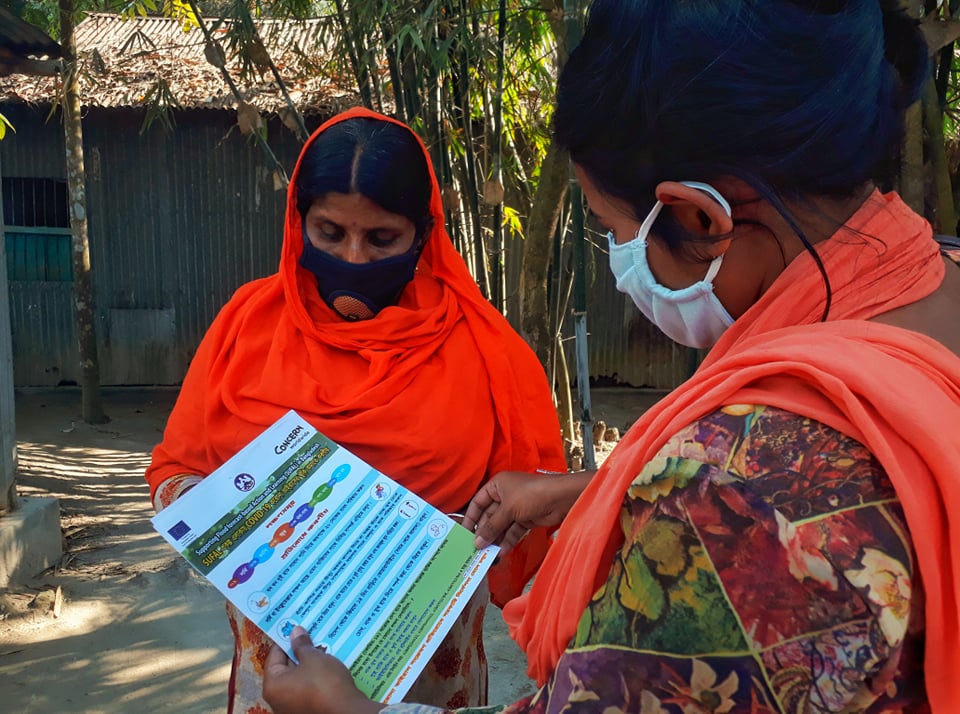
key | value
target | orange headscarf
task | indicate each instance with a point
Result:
(438, 392)
(895, 391)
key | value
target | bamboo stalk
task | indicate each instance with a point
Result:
(393, 66)
(260, 141)
(366, 53)
(358, 68)
(500, 268)
(302, 132)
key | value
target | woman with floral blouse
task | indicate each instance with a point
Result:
(781, 533)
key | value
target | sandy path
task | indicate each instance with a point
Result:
(137, 630)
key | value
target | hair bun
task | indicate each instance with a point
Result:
(907, 50)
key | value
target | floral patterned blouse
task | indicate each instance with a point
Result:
(766, 567)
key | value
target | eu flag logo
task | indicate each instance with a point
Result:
(179, 530)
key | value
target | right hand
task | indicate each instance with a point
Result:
(319, 684)
(513, 502)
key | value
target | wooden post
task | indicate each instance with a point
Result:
(8, 432)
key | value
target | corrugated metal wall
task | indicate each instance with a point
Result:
(179, 220)
(624, 347)
(44, 335)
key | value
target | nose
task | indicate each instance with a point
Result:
(352, 250)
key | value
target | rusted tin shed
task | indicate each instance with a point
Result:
(179, 217)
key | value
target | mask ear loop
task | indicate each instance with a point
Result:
(717, 262)
(713, 269)
(647, 224)
(712, 192)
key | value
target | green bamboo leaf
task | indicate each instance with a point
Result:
(511, 220)
(4, 125)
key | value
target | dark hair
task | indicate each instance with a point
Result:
(795, 97)
(377, 159)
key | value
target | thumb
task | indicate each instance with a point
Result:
(300, 642)
(482, 501)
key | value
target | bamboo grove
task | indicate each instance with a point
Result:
(476, 80)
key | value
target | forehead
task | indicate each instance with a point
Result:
(606, 207)
(354, 209)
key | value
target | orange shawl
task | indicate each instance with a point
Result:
(895, 391)
(438, 392)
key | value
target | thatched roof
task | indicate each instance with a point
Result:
(122, 61)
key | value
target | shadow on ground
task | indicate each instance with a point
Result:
(138, 630)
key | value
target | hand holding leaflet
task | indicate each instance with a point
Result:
(296, 530)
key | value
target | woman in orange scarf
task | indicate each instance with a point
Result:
(781, 533)
(375, 332)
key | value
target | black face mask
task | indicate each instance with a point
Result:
(358, 291)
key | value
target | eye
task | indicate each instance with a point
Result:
(602, 224)
(328, 231)
(382, 240)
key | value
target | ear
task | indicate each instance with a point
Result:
(424, 228)
(698, 212)
(428, 224)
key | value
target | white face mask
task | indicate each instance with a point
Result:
(692, 316)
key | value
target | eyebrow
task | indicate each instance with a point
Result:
(597, 217)
(326, 219)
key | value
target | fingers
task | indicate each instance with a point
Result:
(514, 535)
(300, 642)
(493, 526)
(276, 661)
(478, 506)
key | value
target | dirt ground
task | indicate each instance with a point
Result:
(123, 624)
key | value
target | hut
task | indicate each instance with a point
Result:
(183, 205)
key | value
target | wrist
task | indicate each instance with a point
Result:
(353, 703)
(575, 484)
(173, 488)
(561, 490)
(364, 705)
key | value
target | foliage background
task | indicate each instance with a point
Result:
(476, 80)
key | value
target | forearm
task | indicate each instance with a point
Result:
(426, 709)
(172, 488)
(578, 481)
(513, 502)
(564, 489)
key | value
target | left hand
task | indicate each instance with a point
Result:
(512, 502)
(319, 684)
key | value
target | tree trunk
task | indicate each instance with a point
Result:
(911, 159)
(943, 216)
(393, 66)
(460, 89)
(537, 249)
(363, 28)
(568, 429)
(92, 405)
(911, 162)
(542, 222)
